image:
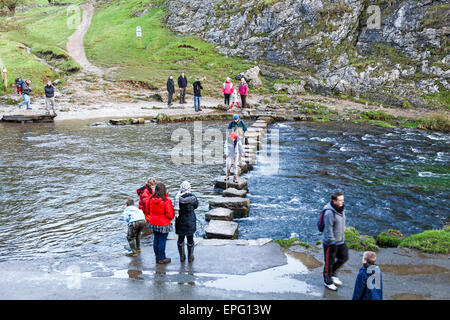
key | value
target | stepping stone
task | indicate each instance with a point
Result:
(259, 125)
(220, 183)
(239, 206)
(218, 229)
(232, 192)
(219, 214)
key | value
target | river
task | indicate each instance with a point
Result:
(63, 184)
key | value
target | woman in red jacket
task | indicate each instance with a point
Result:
(145, 193)
(159, 215)
(227, 89)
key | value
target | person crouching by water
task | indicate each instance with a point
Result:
(233, 152)
(136, 224)
(185, 223)
(160, 214)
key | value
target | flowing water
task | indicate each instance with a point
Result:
(63, 185)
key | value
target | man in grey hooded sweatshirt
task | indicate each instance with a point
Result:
(335, 250)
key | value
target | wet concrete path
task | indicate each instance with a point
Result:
(223, 269)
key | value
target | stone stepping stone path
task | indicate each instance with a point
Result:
(233, 202)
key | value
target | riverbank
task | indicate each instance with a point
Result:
(255, 269)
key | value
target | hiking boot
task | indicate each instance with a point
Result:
(164, 261)
(336, 281)
(181, 252)
(330, 286)
(190, 249)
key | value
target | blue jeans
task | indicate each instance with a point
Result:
(26, 100)
(159, 245)
(196, 103)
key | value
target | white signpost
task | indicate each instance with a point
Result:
(139, 36)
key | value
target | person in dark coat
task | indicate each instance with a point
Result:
(182, 84)
(19, 83)
(369, 284)
(26, 90)
(197, 94)
(170, 90)
(185, 222)
(49, 97)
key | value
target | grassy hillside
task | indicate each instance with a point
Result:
(45, 30)
(111, 42)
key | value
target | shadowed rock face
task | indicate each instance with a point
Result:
(330, 39)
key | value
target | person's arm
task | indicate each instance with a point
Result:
(359, 287)
(328, 230)
(169, 209)
(244, 126)
(195, 203)
(230, 125)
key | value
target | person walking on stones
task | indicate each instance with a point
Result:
(182, 84)
(238, 125)
(26, 90)
(185, 222)
(19, 83)
(49, 97)
(243, 91)
(145, 193)
(334, 247)
(160, 214)
(227, 89)
(369, 282)
(233, 151)
(170, 90)
(197, 94)
(135, 219)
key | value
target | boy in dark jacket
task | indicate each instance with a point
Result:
(182, 84)
(170, 90)
(26, 90)
(49, 97)
(197, 94)
(369, 284)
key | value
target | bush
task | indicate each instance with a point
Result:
(432, 241)
(389, 239)
(359, 242)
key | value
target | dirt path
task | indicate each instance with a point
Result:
(75, 46)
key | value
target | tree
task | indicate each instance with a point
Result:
(11, 5)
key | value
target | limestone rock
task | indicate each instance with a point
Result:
(251, 76)
(219, 214)
(220, 183)
(222, 230)
(239, 206)
(232, 192)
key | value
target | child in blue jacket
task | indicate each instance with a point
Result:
(369, 284)
(135, 219)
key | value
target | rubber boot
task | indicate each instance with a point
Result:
(133, 249)
(138, 242)
(190, 249)
(181, 252)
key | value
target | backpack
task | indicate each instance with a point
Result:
(321, 223)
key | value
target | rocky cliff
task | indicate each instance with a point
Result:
(390, 51)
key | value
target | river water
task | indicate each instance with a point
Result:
(62, 185)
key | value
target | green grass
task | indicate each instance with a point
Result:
(389, 239)
(286, 243)
(45, 30)
(432, 241)
(111, 41)
(359, 242)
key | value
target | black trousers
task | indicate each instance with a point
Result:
(335, 257)
(190, 240)
(169, 101)
(244, 100)
(227, 99)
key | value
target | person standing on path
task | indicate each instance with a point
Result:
(160, 214)
(170, 90)
(49, 97)
(182, 84)
(185, 222)
(197, 94)
(243, 91)
(19, 83)
(334, 247)
(227, 89)
(26, 90)
(135, 219)
(369, 282)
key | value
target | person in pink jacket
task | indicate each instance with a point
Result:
(227, 89)
(243, 91)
